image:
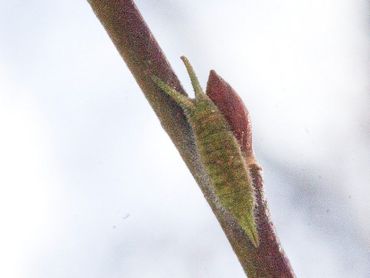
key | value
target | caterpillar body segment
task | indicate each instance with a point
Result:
(220, 154)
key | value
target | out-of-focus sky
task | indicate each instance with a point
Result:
(84, 194)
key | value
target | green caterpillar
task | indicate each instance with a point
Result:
(219, 152)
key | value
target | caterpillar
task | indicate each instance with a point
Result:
(219, 152)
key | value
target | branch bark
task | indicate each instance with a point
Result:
(142, 54)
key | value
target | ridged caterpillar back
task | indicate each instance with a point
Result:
(220, 154)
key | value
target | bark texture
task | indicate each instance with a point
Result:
(142, 54)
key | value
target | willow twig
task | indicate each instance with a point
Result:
(142, 54)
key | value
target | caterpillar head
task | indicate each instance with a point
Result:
(189, 105)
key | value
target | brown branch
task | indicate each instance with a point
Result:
(142, 54)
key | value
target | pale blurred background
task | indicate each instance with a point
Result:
(84, 194)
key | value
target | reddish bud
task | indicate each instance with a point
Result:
(234, 110)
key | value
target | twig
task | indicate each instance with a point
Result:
(142, 54)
